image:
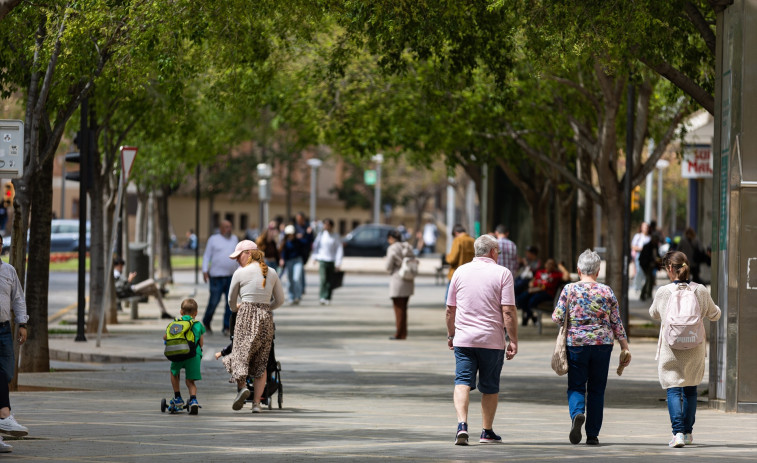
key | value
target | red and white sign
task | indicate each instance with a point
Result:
(128, 154)
(697, 161)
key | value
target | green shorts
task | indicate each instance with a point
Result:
(191, 366)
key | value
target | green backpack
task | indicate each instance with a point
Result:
(180, 340)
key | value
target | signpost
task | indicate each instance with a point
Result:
(128, 155)
(11, 148)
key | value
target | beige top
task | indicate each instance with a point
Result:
(679, 368)
(247, 285)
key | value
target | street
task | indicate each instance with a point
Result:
(350, 394)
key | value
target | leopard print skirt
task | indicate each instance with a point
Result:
(253, 335)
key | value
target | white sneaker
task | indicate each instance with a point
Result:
(688, 438)
(241, 397)
(256, 407)
(677, 441)
(5, 448)
(10, 426)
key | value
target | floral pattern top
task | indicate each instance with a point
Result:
(594, 315)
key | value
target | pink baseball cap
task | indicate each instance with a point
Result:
(244, 245)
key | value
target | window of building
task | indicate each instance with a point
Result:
(243, 221)
(342, 226)
(230, 217)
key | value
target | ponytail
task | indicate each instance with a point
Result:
(679, 264)
(259, 257)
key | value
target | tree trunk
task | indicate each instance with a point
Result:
(35, 355)
(97, 249)
(164, 238)
(614, 258)
(565, 228)
(540, 216)
(585, 206)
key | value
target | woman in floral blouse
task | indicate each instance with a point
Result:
(594, 324)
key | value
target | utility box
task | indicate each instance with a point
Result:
(11, 148)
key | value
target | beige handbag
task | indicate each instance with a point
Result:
(560, 356)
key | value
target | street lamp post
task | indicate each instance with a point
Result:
(378, 159)
(661, 165)
(264, 193)
(314, 164)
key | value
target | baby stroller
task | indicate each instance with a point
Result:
(272, 382)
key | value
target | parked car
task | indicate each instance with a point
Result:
(64, 236)
(367, 241)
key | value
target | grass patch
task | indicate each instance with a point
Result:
(178, 262)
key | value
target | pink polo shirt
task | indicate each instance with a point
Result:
(479, 289)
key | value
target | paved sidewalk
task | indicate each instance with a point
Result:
(351, 394)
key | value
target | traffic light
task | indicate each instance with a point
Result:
(10, 194)
(76, 158)
(635, 198)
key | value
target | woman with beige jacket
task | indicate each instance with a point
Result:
(400, 289)
(680, 371)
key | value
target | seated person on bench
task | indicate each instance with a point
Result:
(125, 288)
(542, 288)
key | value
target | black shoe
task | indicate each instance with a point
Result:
(575, 429)
(592, 441)
(166, 316)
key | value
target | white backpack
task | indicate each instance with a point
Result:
(682, 327)
(409, 267)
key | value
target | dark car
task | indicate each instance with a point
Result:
(367, 241)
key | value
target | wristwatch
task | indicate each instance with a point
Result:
(450, 338)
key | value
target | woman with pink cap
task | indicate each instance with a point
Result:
(255, 291)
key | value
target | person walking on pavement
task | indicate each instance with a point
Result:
(594, 324)
(400, 289)
(430, 235)
(461, 252)
(304, 233)
(291, 259)
(11, 300)
(218, 269)
(255, 292)
(508, 252)
(480, 316)
(680, 371)
(327, 250)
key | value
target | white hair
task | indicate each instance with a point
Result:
(484, 245)
(588, 262)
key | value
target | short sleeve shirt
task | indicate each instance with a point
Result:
(478, 290)
(199, 329)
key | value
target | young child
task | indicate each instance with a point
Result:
(191, 366)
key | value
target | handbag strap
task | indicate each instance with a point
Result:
(565, 317)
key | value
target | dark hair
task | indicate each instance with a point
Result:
(679, 263)
(328, 221)
(502, 229)
(458, 229)
(533, 250)
(395, 234)
(116, 260)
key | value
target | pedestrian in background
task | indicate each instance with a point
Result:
(218, 269)
(430, 235)
(462, 250)
(328, 251)
(11, 300)
(255, 292)
(400, 289)
(304, 233)
(649, 259)
(680, 371)
(480, 315)
(268, 243)
(543, 287)
(637, 244)
(508, 251)
(292, 260)
(695, 253)
(594, 324)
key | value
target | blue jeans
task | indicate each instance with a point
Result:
(219, 286)
(295, 269)
(682, 406)
(7, 362)
(587, 379)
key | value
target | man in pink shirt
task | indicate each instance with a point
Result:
(480, 310)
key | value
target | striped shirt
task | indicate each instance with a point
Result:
(11, 295)
(508, 254)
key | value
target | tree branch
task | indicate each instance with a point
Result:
(581, 89)
(701, 25)
(660, 148)
(684, 82)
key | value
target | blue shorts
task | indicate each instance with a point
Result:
(488, 364)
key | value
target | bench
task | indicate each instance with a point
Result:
(548, 307)
(441, 272)
(133, 304)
